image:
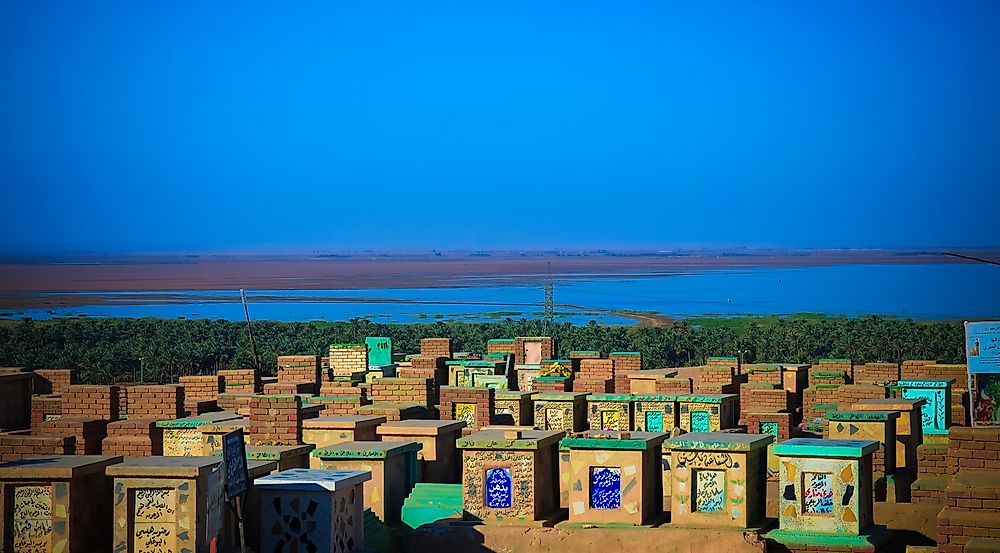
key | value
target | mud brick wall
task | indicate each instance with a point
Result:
(340, 389)
(238, 403)
(431, 367)
(712, 377)
(552, 384)
(436, 347)
(597, 368)
(878, 374)
(972, 498)
(404, 390)
(764, 376)
(594, 385)
(237, 381)
(346, 359)
(15, 392)
(932, 460)
(338, 405)
(626, 361)
(483, 398)
(299, 368)
(828, 376)
(54, 381)
(133, 438)
(784, 421)
(852, 393)
(13, 370)
(911, 368)
(733, 362)
(548, 350)
(289, 387)
(16, 446)
(581, 355)
(89, 433)
(943, 371)
(975, 449)
(45, 408)
(845, 365)
(815, 396)
(763, 397)
(500, 346)
(673, 386)
(202, 386)
(200, 406)
(275, 420)
(158, 402)
(82, 400)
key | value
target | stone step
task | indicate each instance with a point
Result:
(429, 503)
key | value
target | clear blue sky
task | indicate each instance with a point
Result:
(208, 126)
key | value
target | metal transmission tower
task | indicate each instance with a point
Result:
(550, 301)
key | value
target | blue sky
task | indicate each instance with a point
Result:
(193, 126)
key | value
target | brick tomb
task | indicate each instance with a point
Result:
(562, 411)
(393, 466)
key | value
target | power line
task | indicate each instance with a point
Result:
(970, 258)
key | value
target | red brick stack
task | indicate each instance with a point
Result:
(99, 402)
(912, 368)
(831, 371)
(45, 408)
(424, 366)
(673, 386)
(552, 384)
(733, 362)
(289, 387)
(240, 381)
(134, 438)
(53, 381)
(299, 369)
(275, 420)
(786, 430)
(201, 387)
(236, 403)
(501, 345)
(576, 359)
(18, 445)
(436, 347)
(593, 385)
(89, 433)
(717, 379)
(625, 362)
(763, 375)
(404, 390)
(970, 520)
(158, 402)
(767, 398)
(483, 398)
(933, 472)
(876, 374)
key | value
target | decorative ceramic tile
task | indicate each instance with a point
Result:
(605, 487)
(654, 421)
(769, 428)
(499, 489)
(700, 421)
(818, 493)
(611, 420)
(466, 412)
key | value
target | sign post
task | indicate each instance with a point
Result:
(982, 355)
(234, 455)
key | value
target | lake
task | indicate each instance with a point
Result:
(928, 291)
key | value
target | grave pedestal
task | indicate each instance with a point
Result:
(183, 438)
(615, 478)
(59, 503)
(707, 412)
(312, 510)
(286, 457)
(393, 466)
(211, 434)
(909, 432)
(655, 413)
(935, 416)
(437, 459)
(560, 411)
(510, 477)
(879, 426)
(513, 408)
(610, 412)
(324, 432)
(825, 494)
(168, 504)
(719, 479)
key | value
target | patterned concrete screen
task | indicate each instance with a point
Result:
(935, 417)
(168, 504)
(39, 494)
(379, 351)
(718, 479)
(615, 478)
(825, 493)
(312, 510)
(507, 476)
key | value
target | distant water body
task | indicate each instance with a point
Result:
(930, 291)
